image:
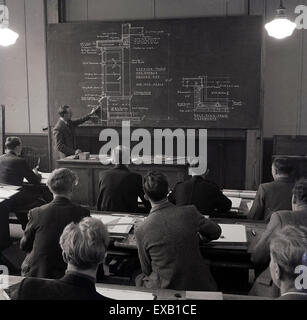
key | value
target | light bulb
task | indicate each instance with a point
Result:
(280, 28)
(7, 36)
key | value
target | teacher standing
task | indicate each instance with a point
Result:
(65, 142)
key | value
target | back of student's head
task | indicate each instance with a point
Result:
(84, 244)
(155, 185)
(289, 250)
(12, 142)
(300, 191)
(283, 165)
(120, 155)
(62, 181)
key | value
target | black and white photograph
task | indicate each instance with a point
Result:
(153, 153)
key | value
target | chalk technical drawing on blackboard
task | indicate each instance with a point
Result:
(116, 75)
(116, 60)
(209, 95)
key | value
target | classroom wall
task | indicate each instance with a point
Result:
(23, 80)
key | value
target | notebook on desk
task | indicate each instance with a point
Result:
(235, 202)
(117, 225)
(7, 193)
(122, 294)
(232, 234)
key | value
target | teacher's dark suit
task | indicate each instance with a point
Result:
(261, 253)
(204, 194)
(168, 248)
(119, 189)
(270, 197)
(64, 134)
(42, 235)
(73, 286)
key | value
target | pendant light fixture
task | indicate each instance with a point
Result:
(281, 27)
(7, 36)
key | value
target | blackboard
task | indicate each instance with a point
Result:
(200, 72)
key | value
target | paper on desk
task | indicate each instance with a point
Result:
(9, 186)
(249, 204)
(203, 295)
(109, 219)
(5, 193)
(120, 294)
(232, 233)
(3, 295)
(236, 202)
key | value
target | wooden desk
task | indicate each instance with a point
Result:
(89, 173)
(161, 294)
(257, 227)
(221, 255)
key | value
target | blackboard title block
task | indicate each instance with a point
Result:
(203, 72)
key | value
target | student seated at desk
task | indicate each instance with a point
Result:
(204, 194)
(261, 253)
(83, 247)
(275, 195)
(168, 242)
(46, 223)
(288, 251)
(119, 188)
(13, 169)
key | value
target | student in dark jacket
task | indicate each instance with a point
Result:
(168, 242)
(264, 285)
(288, 260)
(276, 195)
(64, 131)
(204, 194)
(46, 223)
(83, 247)
(13, 169)
(119, 188)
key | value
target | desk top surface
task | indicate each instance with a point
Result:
(254, 230)
(7, 191)
(161, 294)
(107, 160)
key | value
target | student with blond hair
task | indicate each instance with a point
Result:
(288, 266)
(83, 247)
